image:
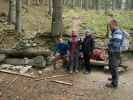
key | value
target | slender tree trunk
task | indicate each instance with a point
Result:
(57, 23)
(113, 4)
(123, 4)
(86, 4)
(73, 3)
(81, 4)
(28, 2)
(131, 4)
(50, 8)
(12, 12)
(97, 5)
(18, 26)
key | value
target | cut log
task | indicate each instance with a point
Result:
(104, 63)
(38, 61)
(98, 63)
(30, 52)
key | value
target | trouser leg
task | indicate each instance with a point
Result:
(87, 62)
(65, 62)
(71, 60)
(114, 62)
(76, 62)
(55, 60)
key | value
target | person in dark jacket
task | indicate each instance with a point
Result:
(114, 52)
(87, 49)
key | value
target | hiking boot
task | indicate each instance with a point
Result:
(87, 72)
(71, 72)
(109, 79)
(76, 71)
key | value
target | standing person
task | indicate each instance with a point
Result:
(61, 51)
(74, 53)
(114, 52)
(87, 48)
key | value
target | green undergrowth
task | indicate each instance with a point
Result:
(97, 21)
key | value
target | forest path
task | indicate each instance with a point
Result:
(85, 87)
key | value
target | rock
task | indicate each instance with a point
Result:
(38, 62)
(48, 69)
(25, 69)
(17, 98)
(2, 57)
(40, 72)
(106, 68)
(6, 66)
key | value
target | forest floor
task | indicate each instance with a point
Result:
(85, 87)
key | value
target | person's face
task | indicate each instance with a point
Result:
(112, 26)
(87, 33)
(61, 40)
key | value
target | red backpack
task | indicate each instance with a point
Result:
(98, 54)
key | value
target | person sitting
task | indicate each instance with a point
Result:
(61, 50)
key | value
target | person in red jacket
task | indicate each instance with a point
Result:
(74, 53)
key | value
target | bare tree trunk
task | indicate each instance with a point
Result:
(28, 2)
(50, 8)
(113, 4)
(123, 4)
(11, 13)
(86, 5)
(57, 23)
(97, 5)
(18, 26)
(81, 4)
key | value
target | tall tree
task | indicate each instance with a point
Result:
(12, 12)
(97, 4)
(113, 4)
(123, 4)
(18, 25)
(50, 7)
(57, 23)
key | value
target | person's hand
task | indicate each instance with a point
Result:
(81, 55)
(57, 54)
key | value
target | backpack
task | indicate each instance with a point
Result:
(125, 41)
(98, 54)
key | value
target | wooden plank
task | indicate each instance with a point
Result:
(15, 73)
(55, 76)
(62, 82)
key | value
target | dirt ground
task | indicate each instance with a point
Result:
(85, 87)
